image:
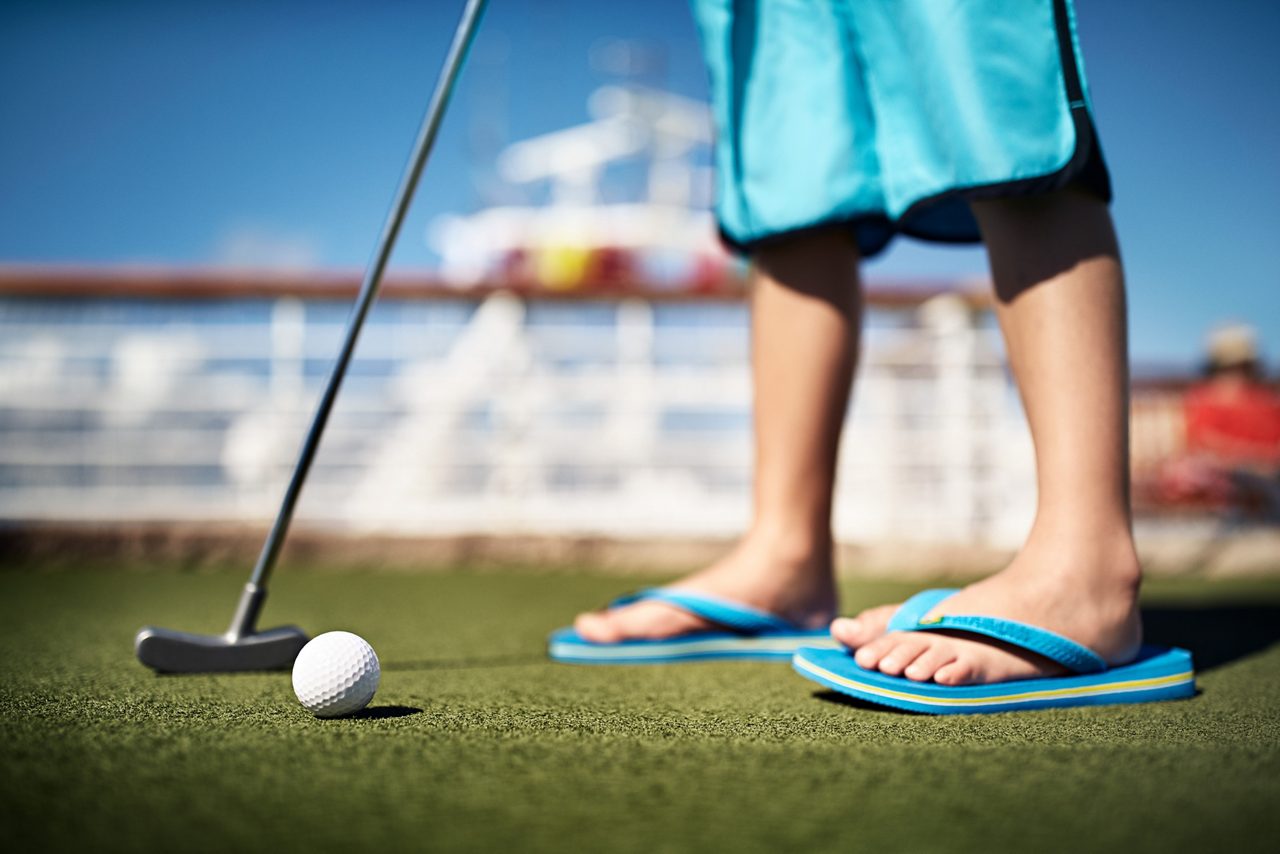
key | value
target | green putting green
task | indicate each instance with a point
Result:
(475, 742)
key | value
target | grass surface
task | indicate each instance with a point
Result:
(476, 743)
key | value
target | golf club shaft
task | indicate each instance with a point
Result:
(250, 603)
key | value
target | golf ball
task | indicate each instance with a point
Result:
(336, 674)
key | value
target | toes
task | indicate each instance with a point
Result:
(848, 631)
(855, 632)
(596, 627)
(902, 654)
(654, 620)
(930, 662)
(641, 620)
(919, 657)
(957, 672)
(869, 655)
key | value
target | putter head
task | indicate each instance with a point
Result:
(167, 651)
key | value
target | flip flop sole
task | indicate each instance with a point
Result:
(566, 647)
(1157, 674)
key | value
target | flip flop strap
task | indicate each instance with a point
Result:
(731, 615)
(912, 617)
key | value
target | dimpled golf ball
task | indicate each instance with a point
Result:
(336, 674)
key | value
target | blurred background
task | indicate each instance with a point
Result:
(558, 368)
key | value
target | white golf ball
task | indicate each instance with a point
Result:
(336, 674)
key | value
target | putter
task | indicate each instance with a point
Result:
(243, 647)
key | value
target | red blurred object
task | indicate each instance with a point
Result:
(1231, 457)
(610, 268)
(517, 269)
(1234, 423)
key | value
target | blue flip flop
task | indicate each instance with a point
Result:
(1158, 673)
(743, 633)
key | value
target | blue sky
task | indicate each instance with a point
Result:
(236, 132)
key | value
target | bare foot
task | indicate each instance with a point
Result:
(1088, 594)
(794, 583)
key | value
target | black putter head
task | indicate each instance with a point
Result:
(242, 647)
(168, 651)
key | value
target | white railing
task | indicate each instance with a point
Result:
(497, 416)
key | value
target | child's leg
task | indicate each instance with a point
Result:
(805, 310)
(1061, 307)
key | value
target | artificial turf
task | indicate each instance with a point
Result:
(476, 743)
